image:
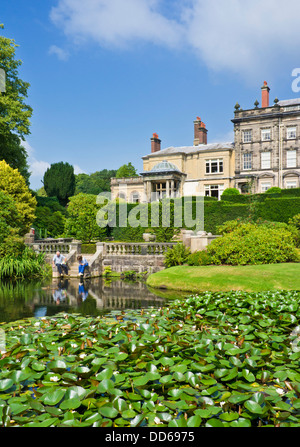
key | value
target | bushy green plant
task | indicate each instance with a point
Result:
(177, 255)
(231, 192)
(273, 190)
(27, 265)
(254, 244)
(199, 258)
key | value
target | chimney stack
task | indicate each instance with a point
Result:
(265, 95)
(155, 143)
(200, 132)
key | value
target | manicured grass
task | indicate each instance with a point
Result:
(252, 278)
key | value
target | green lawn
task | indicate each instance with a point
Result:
(252, 278)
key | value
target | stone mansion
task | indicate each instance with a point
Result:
(265, 153)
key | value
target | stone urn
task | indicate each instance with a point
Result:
(149, 237)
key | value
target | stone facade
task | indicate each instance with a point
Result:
(267, 145)
(265, 153)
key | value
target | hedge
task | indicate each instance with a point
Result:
(265, 207)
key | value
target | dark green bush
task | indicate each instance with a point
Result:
(274, 190)
(88, 249)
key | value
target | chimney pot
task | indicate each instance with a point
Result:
(155, 143)
(265, 95)
(200, 132)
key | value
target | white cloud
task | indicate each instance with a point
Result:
(78, 170)
(36, 167)
(62, 55)
(240, 36)
(116, 22)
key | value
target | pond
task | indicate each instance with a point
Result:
(19, 300)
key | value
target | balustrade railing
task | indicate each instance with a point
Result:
(144, 249)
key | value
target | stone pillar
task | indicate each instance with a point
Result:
(76, 245)
(168, 189)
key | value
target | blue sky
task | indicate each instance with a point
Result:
(106, 74)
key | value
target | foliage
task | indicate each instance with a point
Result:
(199, 258)
(12, 151)
(212, 360)
(274, 190)
(254, 244)
(231, 192)
(13, 184)
(88, 249)
(59, 181)
(295, 221)
(15, 114)
(177, 255)
(127, 170)
(94, 183)
(51, 222)
(81, 222)
(26, 264)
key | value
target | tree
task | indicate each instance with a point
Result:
(12, 151)
(13, 184)
(59, 181)
(82, 223)
(15, 114)
(94, 183)
(126, 171)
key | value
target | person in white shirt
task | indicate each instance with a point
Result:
(59, 261)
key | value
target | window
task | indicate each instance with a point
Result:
(265, 160)
(291, 159)
(135, 197)
(291, 133)
(291, 184)
(214, 166)
(247, 136)
(247, 162)
(266, 135)
(214, 191)
(265, 186)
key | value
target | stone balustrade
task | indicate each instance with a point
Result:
(130, 249)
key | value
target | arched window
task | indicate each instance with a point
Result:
(135, 197)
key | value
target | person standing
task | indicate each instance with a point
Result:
(59, 261)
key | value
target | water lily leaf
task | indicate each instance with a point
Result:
(105, 374)
(194, 421)
(141, 381)
(5, 384)
(106, 386)
(53, 397)
(248, 375)
(108, 412)
(57, 366)
(70, 404)
(253, 407)
(38, 366)
(181, 422)
(229, 417)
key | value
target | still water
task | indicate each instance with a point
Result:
(20, 300)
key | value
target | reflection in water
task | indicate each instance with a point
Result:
(89, 297)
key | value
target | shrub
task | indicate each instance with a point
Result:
(274, 190)
(199, 258)
(177, 255)
(231, 192)
(254, 244)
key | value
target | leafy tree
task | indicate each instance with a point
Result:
(81, 223)
(94, 183)
(12, 151)
(59, 181)
(126, 171)
(15, 114)
(13, 184)
(52, 222)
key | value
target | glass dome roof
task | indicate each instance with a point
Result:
(165, 166)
